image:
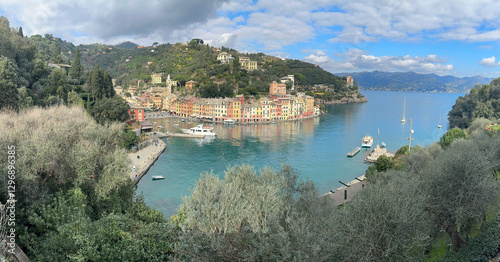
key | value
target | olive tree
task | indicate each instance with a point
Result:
(385, 221)
(270, 216)
(459, 187)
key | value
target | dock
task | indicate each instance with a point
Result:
(354, 152)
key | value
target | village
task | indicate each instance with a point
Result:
(277, 106)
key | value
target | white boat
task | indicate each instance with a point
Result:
(158, 177)
(403, 120)
(229, 121)
(439, 125)
(200, 130)
(383, 145)
(367, 141)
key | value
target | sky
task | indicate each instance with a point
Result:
(445, 37)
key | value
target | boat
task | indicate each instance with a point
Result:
(200, 130)
(367, 141)
(403, 120)
(439, 125)
(383, 145)
(229, 121)
(158, 177)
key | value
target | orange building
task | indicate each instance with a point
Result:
(136, 113)
(276, 89)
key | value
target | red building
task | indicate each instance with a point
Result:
(136, 113)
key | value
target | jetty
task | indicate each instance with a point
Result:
(354, 152)
(375, 153)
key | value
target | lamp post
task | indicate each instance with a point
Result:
(409, 138)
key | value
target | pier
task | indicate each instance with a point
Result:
(354, 152)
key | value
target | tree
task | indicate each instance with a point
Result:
(111, 109)
(384, 222)
(129, 139)
(451, 135)
(383, 163)
(9, 96)
(76, 67)
(460, 187)
(269, 216)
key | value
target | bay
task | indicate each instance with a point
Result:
(316, 147)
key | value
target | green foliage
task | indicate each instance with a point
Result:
(129, 139)
(250, 216)
(384, 222)
(76, 67)
(482, 102)
(9, 97)
(451, 135)
(111, 109)
(383, 163)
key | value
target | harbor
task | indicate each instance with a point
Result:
(302, 144)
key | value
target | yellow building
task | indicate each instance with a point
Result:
(157, 78)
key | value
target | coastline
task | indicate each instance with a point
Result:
(144, 159)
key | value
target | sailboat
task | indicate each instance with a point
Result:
(403, 120)
(439, 125)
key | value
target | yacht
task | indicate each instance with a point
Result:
(367, 141)
(200, 130)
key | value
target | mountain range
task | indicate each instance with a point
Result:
(413, 82)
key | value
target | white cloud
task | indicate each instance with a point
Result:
(489, 62)
(360, 60)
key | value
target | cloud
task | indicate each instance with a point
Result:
(489, 62)
(110, 19)
(268, 25)
(360, 60)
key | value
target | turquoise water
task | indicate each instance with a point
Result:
(316, 147)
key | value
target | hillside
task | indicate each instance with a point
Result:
(413, 82)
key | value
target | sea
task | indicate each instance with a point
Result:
(315, 147)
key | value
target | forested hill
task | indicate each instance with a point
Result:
(482, 102)
(128, 62)
(411, 81)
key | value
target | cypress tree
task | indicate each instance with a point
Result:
(76, 67)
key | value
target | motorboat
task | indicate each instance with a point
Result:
(158, 177)
(367, 141)
(200, 130)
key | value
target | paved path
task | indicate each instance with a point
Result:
(143, 159)
(339, 195)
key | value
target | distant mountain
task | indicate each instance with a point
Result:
(127, 44)
(413, 82)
